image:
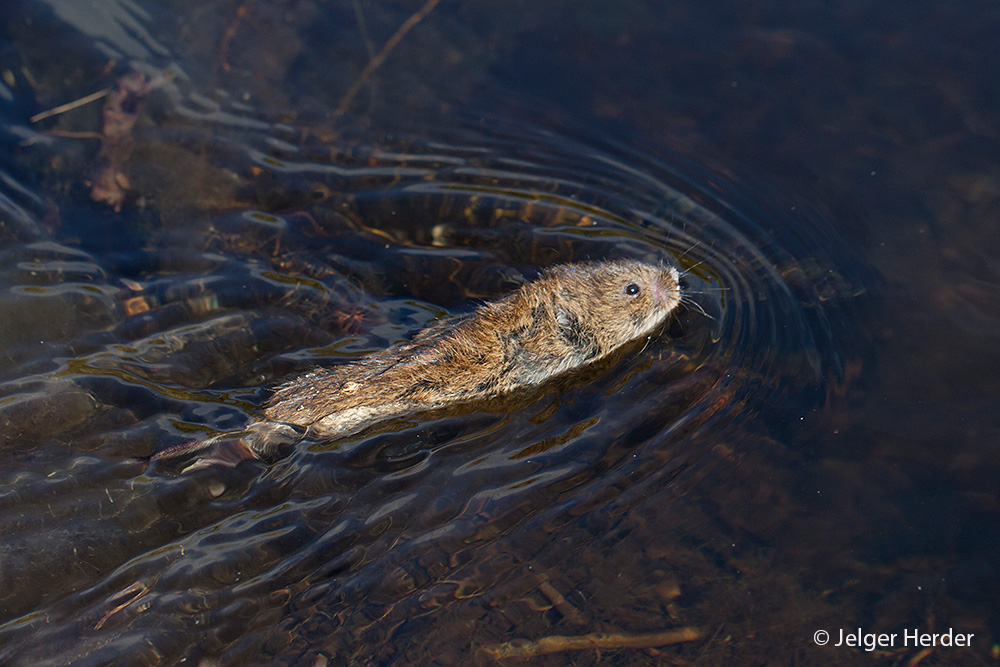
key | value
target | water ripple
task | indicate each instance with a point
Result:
(423, 514)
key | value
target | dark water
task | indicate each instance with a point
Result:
(817, 451)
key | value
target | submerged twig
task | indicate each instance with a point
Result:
(522, 648)
(359, 16)
(136, 591)
(69, 106)
(229, 35)
(68, 134)
(120, 113)
(569, 612)
(381, 56)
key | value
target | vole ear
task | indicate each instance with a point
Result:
(563, 316)
(574, 333)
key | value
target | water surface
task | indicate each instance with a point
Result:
(813, 451)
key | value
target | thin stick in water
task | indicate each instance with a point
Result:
(522, 648)
(382, 55)
(69, 106)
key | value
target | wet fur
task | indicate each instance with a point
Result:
(572, 315)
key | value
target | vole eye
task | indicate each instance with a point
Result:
(631, 289)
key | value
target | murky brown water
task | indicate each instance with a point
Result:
(816, 451)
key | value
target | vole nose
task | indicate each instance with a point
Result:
(661, 292)
(667, 290)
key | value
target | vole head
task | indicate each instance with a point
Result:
(606, 304)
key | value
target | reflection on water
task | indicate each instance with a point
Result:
(679, 486)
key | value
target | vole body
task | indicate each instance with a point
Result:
(573, 314)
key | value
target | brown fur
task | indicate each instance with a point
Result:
(572, 315)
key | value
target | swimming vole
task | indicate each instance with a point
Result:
(571, 315)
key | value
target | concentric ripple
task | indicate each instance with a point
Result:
(364, 241)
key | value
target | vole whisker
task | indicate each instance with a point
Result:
(692, 247)
(692, 268)
(696, 306)
(646, 344)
